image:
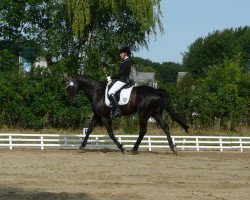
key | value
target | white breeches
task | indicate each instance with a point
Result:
(117, 86)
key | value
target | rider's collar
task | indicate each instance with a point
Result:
(125, 58)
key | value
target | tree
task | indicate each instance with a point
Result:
(219, 95)
(213, 49)
(90, 14)
(7, 63)
(111, 24)
(37, 100)
(166, 72)
(100, 26)
(70, 44)
(24, 19)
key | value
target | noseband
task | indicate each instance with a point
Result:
(71, 83)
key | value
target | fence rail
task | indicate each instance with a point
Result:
(42, 141)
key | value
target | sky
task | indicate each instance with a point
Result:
(184, 21)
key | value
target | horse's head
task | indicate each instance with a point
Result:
(72, 89)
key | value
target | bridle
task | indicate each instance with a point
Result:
(71, 84)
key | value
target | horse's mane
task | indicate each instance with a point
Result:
(102, 82)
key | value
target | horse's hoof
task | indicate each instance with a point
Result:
(82, 148)
(122, 150)
(133, 151)
(174, 149)
(175, 152)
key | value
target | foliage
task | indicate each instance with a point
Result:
(130, 124)
(37, 100)
(217, 46)
(100, 26)
(109, 25)
(76, 36)
(7, 63)
(217, 98)
(181, 95)
(89, 14)
(219, 63)
(166, 72)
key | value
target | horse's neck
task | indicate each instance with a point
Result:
(90, 86)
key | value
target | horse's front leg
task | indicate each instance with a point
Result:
(91, 127)
(108, 125)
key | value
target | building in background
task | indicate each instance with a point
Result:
(180, 76)
(144, 78)
(27, 56)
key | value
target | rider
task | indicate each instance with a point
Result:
(121, 78)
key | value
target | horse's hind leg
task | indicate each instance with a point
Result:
(165, 128)
(91, 127)
(108, 125)
(143, 130)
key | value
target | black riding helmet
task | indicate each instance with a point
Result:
(125, 50)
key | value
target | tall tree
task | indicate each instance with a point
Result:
(89, 14)
(111, 23)
(220, 95)
(213, 49)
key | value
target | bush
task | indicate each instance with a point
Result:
(37, 100)
(218, 96)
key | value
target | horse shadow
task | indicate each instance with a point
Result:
(12, 193)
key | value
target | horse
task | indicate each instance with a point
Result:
(145, 100)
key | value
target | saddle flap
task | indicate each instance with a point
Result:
(123, 95)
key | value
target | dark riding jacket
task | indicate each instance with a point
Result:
(124, 71)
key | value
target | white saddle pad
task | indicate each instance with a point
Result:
(124, 96)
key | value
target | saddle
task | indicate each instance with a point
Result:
(122, 96)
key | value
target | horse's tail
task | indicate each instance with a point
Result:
(167, 103)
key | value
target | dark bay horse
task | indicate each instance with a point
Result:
(145, 100)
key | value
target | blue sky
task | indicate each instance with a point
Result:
(186, 20)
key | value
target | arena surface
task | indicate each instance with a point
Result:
(106, 174)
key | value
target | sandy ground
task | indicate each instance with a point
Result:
(106, 174)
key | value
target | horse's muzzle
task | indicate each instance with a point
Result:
(72, 100)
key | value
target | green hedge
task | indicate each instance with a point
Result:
(37, 100)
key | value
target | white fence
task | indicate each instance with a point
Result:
(197, 143)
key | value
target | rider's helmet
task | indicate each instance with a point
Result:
(125, 50)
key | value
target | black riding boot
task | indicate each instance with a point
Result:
(116, 112)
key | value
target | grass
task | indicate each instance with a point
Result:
(152, 130)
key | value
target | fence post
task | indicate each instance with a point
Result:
(241, 149)
(96, 140)
(183, 144)
(65, 142)
(42, 147)
(197, 144)
(221, 146)
(10, 142)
